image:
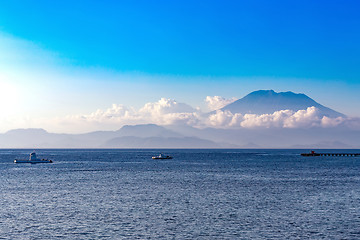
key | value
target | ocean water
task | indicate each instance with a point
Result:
(200, 194)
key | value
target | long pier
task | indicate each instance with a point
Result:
(314, 154)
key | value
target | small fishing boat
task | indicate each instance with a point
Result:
(33, 159)
(311, 154)
(162, 156)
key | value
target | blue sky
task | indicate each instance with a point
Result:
(133, 52)
(306, 39)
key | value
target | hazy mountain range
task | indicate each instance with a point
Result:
(153, 136)
(182, 136)
(138, 136)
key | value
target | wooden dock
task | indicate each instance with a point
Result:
(314, 154)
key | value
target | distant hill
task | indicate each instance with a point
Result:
(339, 137)
(33, 138)
(153, 136)
(137, 136)
(269, 101)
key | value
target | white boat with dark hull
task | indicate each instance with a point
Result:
(33, 159)
(162, 156)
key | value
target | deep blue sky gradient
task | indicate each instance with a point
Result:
(297, 39)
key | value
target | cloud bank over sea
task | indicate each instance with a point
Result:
(170, 112)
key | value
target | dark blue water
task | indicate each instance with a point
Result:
(200, 194)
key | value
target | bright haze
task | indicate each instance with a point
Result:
(76, 67)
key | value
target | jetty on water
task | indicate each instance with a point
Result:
(314, 154)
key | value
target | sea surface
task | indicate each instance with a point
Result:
(200, 194)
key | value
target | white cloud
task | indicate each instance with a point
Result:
(163, 112)
(109, 119)
(279, 119)
(304, 118)
(217, 102)
(166, 106)
(116, 112)
(220, 119)
(168, 111)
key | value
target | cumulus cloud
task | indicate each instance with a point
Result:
(162, 112)
(170, 112)
(217, 102)
(115, 113)
(332, 122)
(220, 119)
(166, 106)
(307, 118)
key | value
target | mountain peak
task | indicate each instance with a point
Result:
(262, 92)
(273, 93)
(269, 101)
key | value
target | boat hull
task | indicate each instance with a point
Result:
(162, 158)
(32, 161)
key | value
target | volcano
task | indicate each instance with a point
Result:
(269, 101)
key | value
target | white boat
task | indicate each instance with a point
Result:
(33, 159)
(162, 156)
